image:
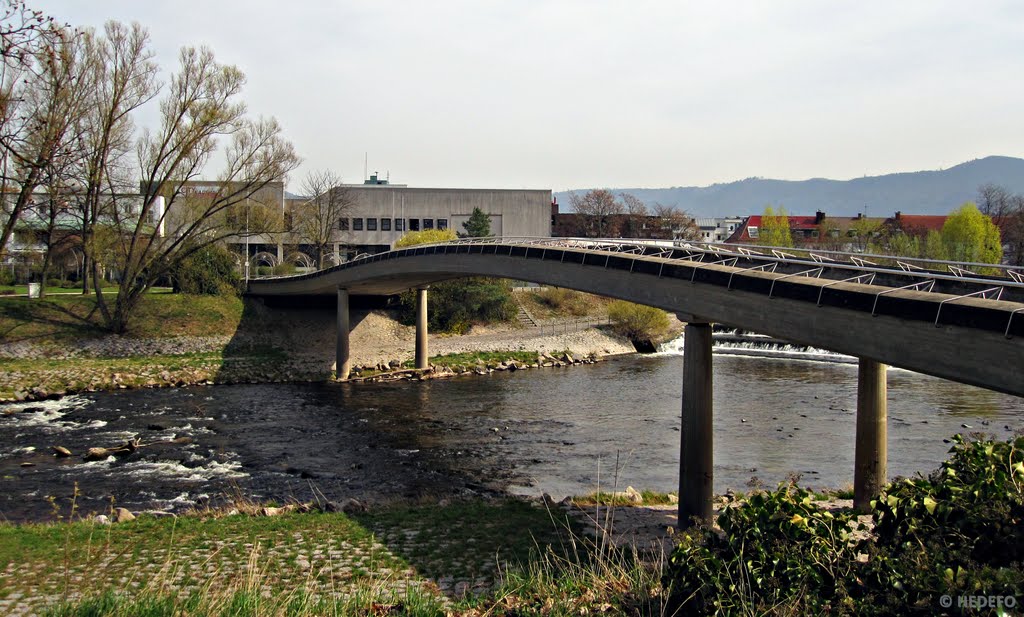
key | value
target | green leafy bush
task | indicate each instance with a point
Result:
(209, 271)
(958, 532)
(638, 322)
(427, 236)
(775, 549)
(454, 306)
(283, 269)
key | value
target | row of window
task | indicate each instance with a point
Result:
(371, 224)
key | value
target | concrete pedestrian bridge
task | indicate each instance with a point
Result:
(963, 322)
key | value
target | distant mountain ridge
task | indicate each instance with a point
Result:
(920, 192)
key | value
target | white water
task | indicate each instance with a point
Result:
(761, 349)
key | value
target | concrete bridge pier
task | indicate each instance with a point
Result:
(343, 365)
(869, 471)
(421, 328)
(696, 460)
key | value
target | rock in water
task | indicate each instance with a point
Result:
(61, 451)
(122, 515)
(96, 454)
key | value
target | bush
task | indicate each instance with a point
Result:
(453, 306)
(54, 282)
(775, 549)
(427, 236)
(209, 271)
(283, 269)
(638, 322)
(959, 532)
(6, 277)
(567, 300)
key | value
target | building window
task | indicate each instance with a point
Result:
(428, 223)
(385, 224)
(371, 224)
(399, 224)
(414, 224)
(343, 224)
(752, 231)
(442, 223)
(357, 224)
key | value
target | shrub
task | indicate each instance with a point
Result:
(567, 300)
(6, 277)
(209, 271)
(283, 269)
(959, 532)
(638, 322)
(453, 306)
(427, 236)
(776, 549)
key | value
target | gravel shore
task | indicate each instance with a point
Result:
(276, 346)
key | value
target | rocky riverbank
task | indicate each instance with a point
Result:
(288, 346)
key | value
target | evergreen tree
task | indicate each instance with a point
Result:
(478, 225)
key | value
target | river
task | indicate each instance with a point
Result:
(560, 431)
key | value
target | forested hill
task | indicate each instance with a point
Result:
(922, 192)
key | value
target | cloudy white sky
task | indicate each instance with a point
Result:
(567, 94)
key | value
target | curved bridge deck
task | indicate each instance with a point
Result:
(953, 324)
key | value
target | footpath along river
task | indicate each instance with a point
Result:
(557, 431)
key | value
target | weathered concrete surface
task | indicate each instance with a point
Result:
(871, 451)
(902, 334)
(696, 460)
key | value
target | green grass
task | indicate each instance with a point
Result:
(650, 498)
(23, 290)
(62, 317)
(491, 556)
(471, 359)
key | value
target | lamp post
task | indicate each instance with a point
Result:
(246, 266)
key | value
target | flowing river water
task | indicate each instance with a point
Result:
(560, 431)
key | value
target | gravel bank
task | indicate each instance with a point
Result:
(275, 346)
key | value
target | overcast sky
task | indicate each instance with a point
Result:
(593, 93)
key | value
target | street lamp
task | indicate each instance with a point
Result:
(246, 241)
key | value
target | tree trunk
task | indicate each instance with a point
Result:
(45, 273)
(85, 273)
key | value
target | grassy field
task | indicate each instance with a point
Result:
(60, 317)
(501, 557)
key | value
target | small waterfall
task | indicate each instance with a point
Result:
(757, 345)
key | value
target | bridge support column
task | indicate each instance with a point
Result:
(342, 362)
(870, 456)
(696, 460)
(421, 328)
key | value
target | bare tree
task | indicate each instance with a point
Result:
(1007, 211)
(317, 219)
(51, 97)
(200, 106)
(636, 216)
(599, 210)
(674, 224)
(123, 78)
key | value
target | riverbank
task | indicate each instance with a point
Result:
(501, 554)
(53, 351)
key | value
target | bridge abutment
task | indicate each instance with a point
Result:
(343, 365)
(696, 460)
(421, 328)
(871, 453)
